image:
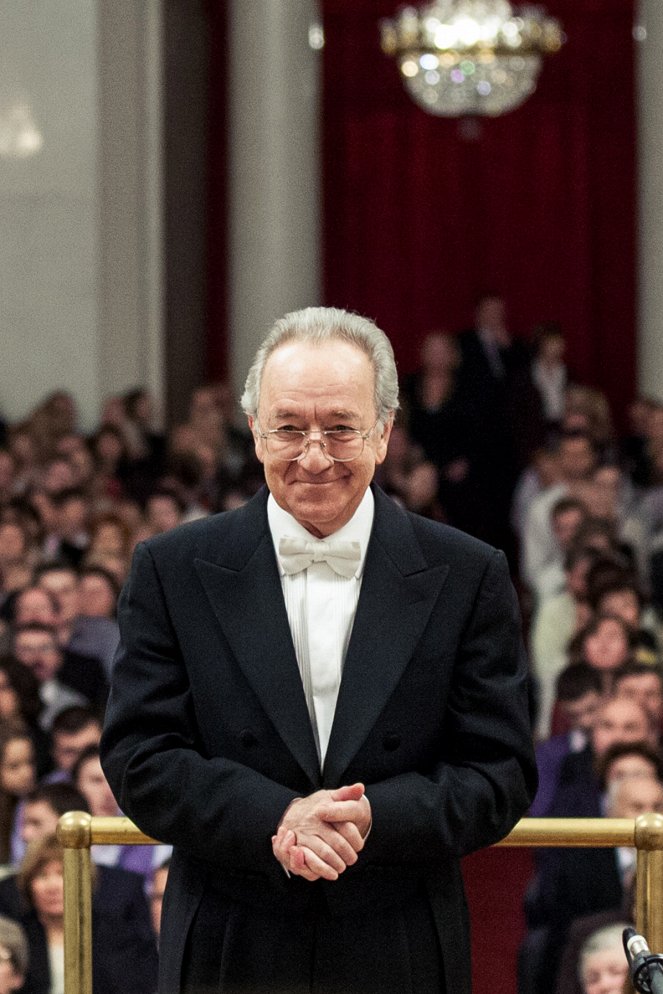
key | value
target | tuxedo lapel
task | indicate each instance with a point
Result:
(398, 592)
(242, 583)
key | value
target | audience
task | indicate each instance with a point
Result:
(495, 438)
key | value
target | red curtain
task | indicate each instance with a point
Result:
(540, 206)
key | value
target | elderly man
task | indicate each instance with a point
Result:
(319, 700)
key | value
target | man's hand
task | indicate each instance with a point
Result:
(319, 836)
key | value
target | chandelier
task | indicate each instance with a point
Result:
(461, 57)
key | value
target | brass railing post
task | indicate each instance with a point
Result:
(74, 832)
(649, 879)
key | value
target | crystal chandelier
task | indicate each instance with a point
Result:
(470, 56)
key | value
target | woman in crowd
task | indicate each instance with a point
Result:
(606, 643)
(116, 945)
(17, 778)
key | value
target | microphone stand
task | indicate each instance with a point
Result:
(645, 967)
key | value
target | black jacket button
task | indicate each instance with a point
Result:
(391, 741)
(248, 738)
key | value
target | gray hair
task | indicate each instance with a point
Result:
(608, 937)
(12, 938)
(325, 324)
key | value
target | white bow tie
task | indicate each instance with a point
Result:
(297, 554)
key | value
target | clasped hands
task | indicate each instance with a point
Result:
(319, 836)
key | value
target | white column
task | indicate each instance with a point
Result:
(649, 31)
(130, 196)
(80, 252)
(274, 198)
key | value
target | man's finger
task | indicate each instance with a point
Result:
(353, 792)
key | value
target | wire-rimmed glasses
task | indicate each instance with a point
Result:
(338, 444)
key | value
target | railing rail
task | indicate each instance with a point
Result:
(77, 831)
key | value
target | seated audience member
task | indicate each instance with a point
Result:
(98, 591)
(13, 956)
(69, 539)
(116, 944)
(626, 760)
(579, 697)
(17, 778)
(618, 721)
(555, 622)
(85, 640)
(90, 779)
(620, 594)
(95, 632)
(164, 509)
(20, 704)
(32, 605)
(606, 644)
(73, 731)
(36, 647)
(580, 882)
(566, 517)
(542, 472)
(16, 556)
(117, 894)
(643, 683)
(602, 965)
(577, 461)
(110, 545)
(157, 889)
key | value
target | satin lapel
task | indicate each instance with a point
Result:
(247, 600)
(398, 592)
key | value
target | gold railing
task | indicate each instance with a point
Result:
(77, 831)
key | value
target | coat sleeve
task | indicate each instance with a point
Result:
(487, 777)
(219, 810)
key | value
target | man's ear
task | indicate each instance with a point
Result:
(257, 440)
(383, 441)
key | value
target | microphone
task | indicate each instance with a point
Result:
(646, 968)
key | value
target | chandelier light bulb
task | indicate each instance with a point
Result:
(478, 57)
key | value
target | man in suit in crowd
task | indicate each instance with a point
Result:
(319, 700)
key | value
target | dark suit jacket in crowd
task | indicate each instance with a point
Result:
(123, 943)
(208, 740)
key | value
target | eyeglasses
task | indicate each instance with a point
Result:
(338, 444)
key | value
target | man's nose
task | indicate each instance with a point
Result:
(314, 458)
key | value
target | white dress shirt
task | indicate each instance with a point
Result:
(321, 607)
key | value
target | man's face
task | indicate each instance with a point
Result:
(39, 652)
(95, 788)
(68, 746)
(317, 387)
(624, 603)
(63, 584)
(636, 796)
(620, 721)
(565, 525)
(581, 713)
(34, 606)
(96, 598)
(576, 458)
(39, 820)
(645, 689)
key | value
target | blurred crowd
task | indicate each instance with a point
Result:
(495, 436)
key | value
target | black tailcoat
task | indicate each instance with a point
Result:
(208, 740)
